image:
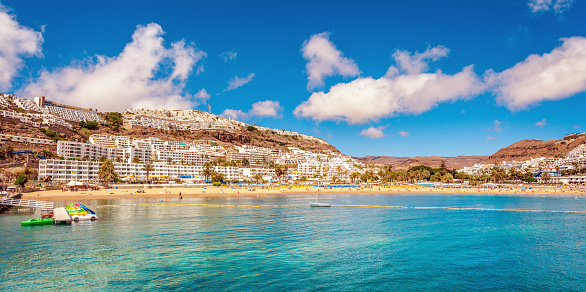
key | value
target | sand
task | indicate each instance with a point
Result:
(272, 191)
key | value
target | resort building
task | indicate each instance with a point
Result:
(68, 170)
(4, 137)
(188, 157)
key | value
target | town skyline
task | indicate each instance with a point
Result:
(471, 77)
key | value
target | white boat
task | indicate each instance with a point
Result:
(316, 204)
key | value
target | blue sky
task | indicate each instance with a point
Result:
(398, 78)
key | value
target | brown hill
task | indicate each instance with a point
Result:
(527, 149)
(225, 138)
(432, 161)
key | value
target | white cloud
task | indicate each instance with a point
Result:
(234, 114)
(576, 127)
(238, 81)
(16, 42)
(558, 6)
(551, 76)
(372, 132)
(404, 90)
(202, 95)
(230, 55)
(325, 60)
(492, 138)
(496, 126)
(131, 79)
(267, 108)
(541, 124)
(403, 134)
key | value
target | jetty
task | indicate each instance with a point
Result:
(27, 203)
(61, 216)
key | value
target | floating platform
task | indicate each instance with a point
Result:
(60, 216)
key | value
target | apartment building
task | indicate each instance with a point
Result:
(178, 156)
(4, 137)
(68, 170)
(70, 149)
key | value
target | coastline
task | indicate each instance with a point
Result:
(277, 191)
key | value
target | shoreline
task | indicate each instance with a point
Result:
(164, 193)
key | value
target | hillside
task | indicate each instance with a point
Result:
(432, 161)
(527, 149)
(261, 138)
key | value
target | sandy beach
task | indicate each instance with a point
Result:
(293, 190)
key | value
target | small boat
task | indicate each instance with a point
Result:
(35, 222)
(316, 204)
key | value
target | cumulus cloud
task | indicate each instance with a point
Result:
(496, 126)
(238, 81)
(541, 124)
(403, 134)
(226, 56)
(16, 42)
(324, 60)
(202, 95)
(134, 78)
(551, 76)
(404, 89)
(558, 6)
(267, 108)
(372, 132)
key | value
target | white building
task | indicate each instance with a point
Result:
(68, 170)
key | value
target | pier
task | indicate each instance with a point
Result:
(27, 203)
(60, 216)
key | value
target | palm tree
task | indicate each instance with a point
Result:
(148, 168)
(135, 159)
(257, 177)
(207, 173)
(107, 171)
(169, 160)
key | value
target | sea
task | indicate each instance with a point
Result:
(439, 242)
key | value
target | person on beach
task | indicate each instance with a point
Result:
(180, 196)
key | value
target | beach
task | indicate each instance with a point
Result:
(229, 191)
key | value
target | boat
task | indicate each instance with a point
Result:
(316, 204)
(77, 211)
(35, 222)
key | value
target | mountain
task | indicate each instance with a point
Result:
(432, 161)
(527, 149)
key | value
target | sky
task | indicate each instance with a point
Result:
(395, 78)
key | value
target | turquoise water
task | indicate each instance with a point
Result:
(134, 247)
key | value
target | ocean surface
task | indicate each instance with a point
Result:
(136, 247)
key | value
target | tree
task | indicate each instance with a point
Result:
(280, 170)
(107, 171)
(245, 162)
(9, 150)
(113, 120)
(169, 160)
(21, 180)
(104, 158)
(258, 178)
(207, 173)
(135, 159)
(217, 177)
(148, 168)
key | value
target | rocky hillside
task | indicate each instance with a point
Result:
(17, 128)
(527, 149)
(222, 137)
(431, 161)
